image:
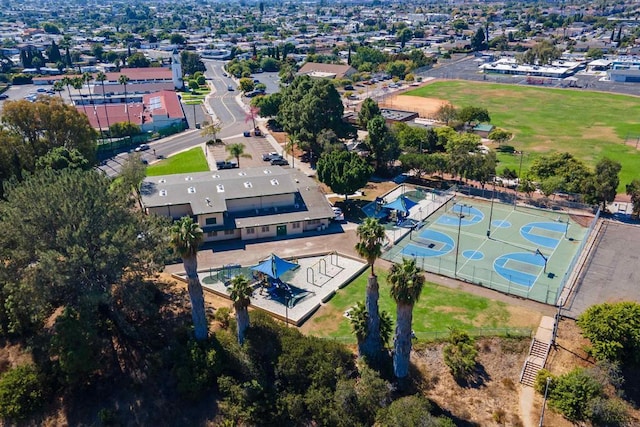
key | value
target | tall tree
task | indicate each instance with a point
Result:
(123, 80)
(382, 142)
(186, 237)
(88, 78)
(101, 77)
(368, 110)
(478, 41)
(236, 151)
(309, 106)
(240, 293)
(633, 190)
(406, 281)
(343, 171)
(77, 83)
(46, 124)
(71, 243)
(371, 236)
(606, 180)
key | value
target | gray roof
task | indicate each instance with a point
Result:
(207, 192)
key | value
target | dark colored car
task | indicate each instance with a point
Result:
(4, 96)
(348, 87)
(247, 133)
(279, 162)
(226, 165)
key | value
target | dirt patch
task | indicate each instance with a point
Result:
(425, 107)
(604, 133)
(492, 396)
(583, 220)
(521, 317)
(327, 316)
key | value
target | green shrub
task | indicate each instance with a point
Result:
(614, 331)
(223, 315)
(21, 392)
(541, 380)
(201, 80)
(607, 412)
(460, 355)
(571, 394)
(197, 368)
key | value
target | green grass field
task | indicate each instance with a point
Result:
(439, 309)
(590, 125)
(188, 161)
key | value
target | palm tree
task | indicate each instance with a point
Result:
(291, 145)
(240, 294)
(77, 82)
(88, 77)
(67, 81)
(236, 151)
(371, 235)
(101, 77)
(123, 80)
(186, 236)
(406, 281)
(58, 86)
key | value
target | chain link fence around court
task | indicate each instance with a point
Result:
(522, 285)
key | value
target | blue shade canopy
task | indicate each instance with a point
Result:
(274, 266)
(401, 204)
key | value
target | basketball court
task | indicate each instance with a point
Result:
(522, 251)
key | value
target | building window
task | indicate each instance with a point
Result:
(227, 232)
(211, 221)
(251, 230)
(212, 234)
(265, 228)
(314, 222)
(296, 224)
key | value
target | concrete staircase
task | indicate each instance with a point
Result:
(538, 352)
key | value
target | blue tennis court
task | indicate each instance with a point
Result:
(524, 251)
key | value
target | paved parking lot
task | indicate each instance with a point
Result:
(611, 273)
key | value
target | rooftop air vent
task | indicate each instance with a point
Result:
(163, 193)
(191, 190)
(162, 180)
(267, 171)
(188, 178)
(248, 184)
(215, 176)
(220, 188)
(274, 182)
(243, 173)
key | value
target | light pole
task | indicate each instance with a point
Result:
(515, 199)
(544, 403)
(493, 194)
(566, 230)
(460, 216)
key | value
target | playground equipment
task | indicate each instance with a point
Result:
(321, 266)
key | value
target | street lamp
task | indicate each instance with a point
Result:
(515, 199)
(460, 216)
(544, 403)
(493, 194)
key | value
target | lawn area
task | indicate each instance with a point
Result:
(439, 309)
(188, 161)
(590, 125)
(195, 96)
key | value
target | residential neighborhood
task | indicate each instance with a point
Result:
(357, 213)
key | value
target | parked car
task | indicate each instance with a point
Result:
(142, 147)
(230, 88)
(246, 133)
(279, 162)
(226, 165)
(4, 96)
(270, 156)
(348, 87)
